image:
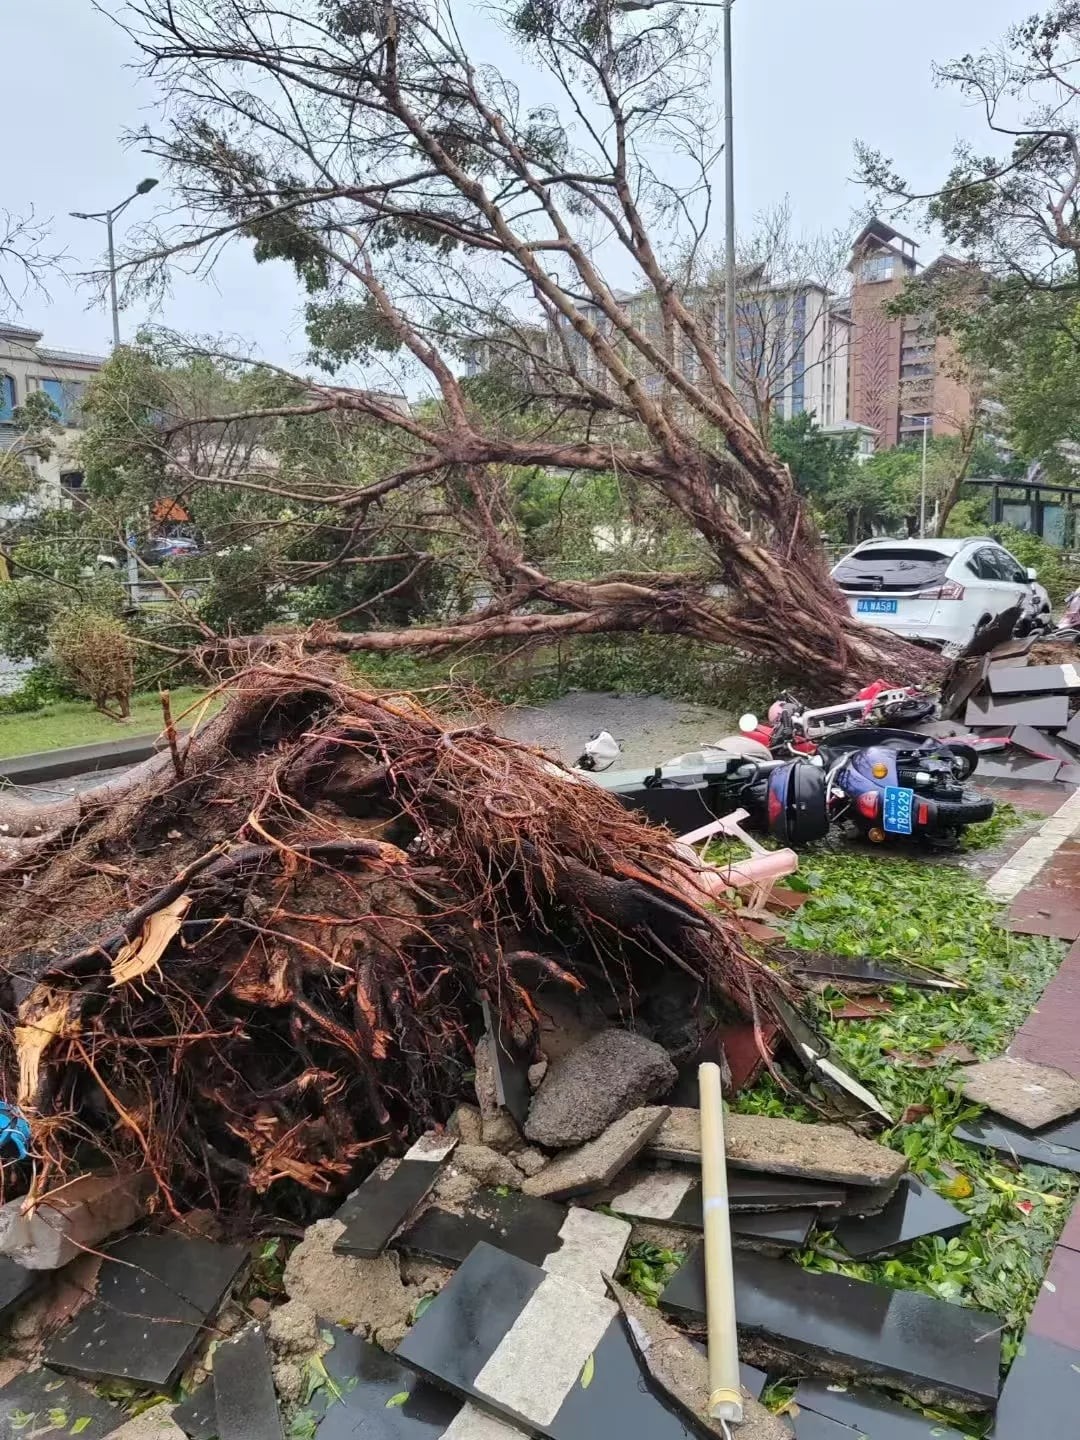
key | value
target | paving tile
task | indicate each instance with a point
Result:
(1051, 1033)
(782, 1230)
(1056, 1315)
(1032, 1096)
(244, 1396)
(1071, 733)
(42, 1403)
(16, 1283)
(937, 1352)
(1018, 767)
(859, 967)
(197, 1415)
(1047, 710)
(810, 1426)
(1045, 1148)
(867, 1413)
(915, 1210)
(678, 1369)
(510, 1064)
(1044, 910)
(1034, 680)
(582, 1245)
(382, 1204)
(674, 1195)
(1070, 1236)
(515, 1341)
(1040, 1399)
(1069, 774)
(155, 1293)
(1042, 744)
(364, 1377)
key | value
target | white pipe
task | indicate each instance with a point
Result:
(725, 1394)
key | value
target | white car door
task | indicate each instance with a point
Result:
(995, 591)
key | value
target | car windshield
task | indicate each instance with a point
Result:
(901, 568)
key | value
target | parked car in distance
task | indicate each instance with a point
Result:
(939, 591)
(162, 548)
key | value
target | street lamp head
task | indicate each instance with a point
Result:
(144, 186)
(81, 215)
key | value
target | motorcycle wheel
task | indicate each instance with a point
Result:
(971, 810)
(967, 754)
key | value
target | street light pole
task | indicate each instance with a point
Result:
(107, 218)
(729, 207)
(731, 329)
(922, 487)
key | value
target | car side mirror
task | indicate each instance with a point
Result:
(1032, 574)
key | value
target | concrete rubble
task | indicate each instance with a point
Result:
(598, 1083)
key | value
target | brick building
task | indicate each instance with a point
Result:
(902, 375)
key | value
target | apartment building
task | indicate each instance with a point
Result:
(793, 344)
(27, 366)
(903, 375)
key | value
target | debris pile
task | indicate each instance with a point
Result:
(1020, 705)
(263, 962)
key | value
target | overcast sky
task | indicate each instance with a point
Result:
(810, 77)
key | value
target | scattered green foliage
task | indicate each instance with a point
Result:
(648, 1268)
(886, 907)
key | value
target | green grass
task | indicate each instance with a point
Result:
(76, 722)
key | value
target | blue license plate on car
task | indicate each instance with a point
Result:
(897, 811)
(875, 607)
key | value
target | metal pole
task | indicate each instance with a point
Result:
(112, 282)
(922, 489)
(725, 1395)
(729, 202)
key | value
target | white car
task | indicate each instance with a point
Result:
(936, 590)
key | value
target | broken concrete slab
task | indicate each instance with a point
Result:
(1019, 768)
(1049, 711)
(389, 1195)
(156, 1294)
(1045, 1148)
(1071, 733)
(43, 1402)
(914, 1211)
(938, 1353)
(601, 1081)
(488, 1166)
(1030, 1095)
(681, 1370)
(673, 1195)
(157, 1423)
(535, 1350)
(859, 967)
(774, 1233)
(1034, 680)
(73, 1219)
(864, 1412)
(582, 1245)
(244, 1398)
(783, 1147)
(363, 1294)
(594, 1165)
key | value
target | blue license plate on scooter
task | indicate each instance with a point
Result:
(898, 809)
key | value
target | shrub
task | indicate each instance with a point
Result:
(1059, 577)
(95, 654)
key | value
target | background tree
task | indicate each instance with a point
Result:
(425, 203)
(1014, 214)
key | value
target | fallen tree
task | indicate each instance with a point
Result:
(254, 966)
(437, 215)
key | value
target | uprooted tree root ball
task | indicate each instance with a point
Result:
(255, 965)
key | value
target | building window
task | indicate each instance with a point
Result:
(875, 268)
(914, 371)
(66, 397)
(71, 480)
(7, 399)
(798, 361)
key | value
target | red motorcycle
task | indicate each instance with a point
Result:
(790, 725)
